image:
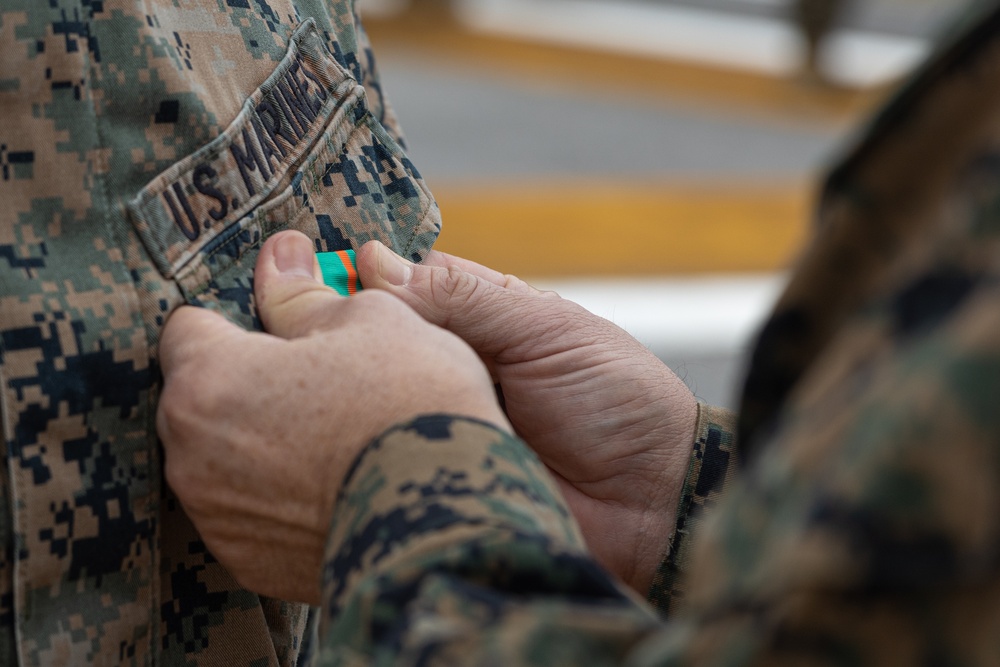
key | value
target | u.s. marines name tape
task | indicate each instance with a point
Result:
(198, 198)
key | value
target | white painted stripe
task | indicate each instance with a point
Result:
(697, 315)
(863, 59)
(751, 43)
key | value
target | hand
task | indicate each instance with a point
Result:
(613, 424)
(260, 429)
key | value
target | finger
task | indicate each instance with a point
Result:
(190, 332)
(486, 315)
(444, 260)
(292, 300)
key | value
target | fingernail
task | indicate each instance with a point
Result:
(393, 268)
(293, 256)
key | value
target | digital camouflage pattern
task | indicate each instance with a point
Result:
(863, 525)
(146, 150)
(710, 470)
(451, 544)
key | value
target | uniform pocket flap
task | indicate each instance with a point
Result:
(197, 199)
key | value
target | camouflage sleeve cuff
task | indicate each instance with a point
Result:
(441, 499)
(712, 466)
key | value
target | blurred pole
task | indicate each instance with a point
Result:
(815, 18)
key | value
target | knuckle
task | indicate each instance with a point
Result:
(299, 313)
(513, 282)
(455, 290)
(454, 282)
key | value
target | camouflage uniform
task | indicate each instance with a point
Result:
(862, 526)
(146, 150)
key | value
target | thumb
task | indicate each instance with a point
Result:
(488, 316)
(292, 300)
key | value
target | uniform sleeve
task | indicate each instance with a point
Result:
(450, 541)
(450, 544)
(712, 466)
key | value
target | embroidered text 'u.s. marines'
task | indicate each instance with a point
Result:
(196, 199)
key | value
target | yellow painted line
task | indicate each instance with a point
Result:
(543, 229)
(567, 228)
(433, 34)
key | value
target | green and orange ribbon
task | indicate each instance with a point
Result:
(340, 271)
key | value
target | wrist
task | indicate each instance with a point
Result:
(670, 469)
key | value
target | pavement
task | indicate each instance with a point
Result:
(667, 192)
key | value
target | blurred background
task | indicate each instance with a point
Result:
(653, 160)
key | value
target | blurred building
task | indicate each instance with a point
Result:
(653, 160)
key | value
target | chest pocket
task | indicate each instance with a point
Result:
(304, 153)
